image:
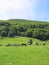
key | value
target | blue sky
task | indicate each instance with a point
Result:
(25, 9)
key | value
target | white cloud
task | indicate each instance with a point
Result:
(3, 5)
(17, 8)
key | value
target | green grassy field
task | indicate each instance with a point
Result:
(24, 55)
(19, 40)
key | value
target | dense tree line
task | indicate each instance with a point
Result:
(26, 29)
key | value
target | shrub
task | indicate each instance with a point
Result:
(10, 34)
(29, 33)
(4, 33)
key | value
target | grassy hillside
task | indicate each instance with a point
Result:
(19, 40)
(24, 55)
(23, 21)
(24, 28)
(30, 55)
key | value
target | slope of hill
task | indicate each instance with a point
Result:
(26, 28)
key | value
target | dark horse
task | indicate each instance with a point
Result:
(23, 44)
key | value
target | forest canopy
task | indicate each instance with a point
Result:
(25, 28)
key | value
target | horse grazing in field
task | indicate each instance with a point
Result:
(23, 45)
(44, 44)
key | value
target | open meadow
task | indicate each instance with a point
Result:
(15, 35)
(24, 55)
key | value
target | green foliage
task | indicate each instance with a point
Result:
(20, 27)
(22, 34)
(11, 34)
(35, 34)
(29, 33)
(18, 33)
(7, 29)
(4, 33)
